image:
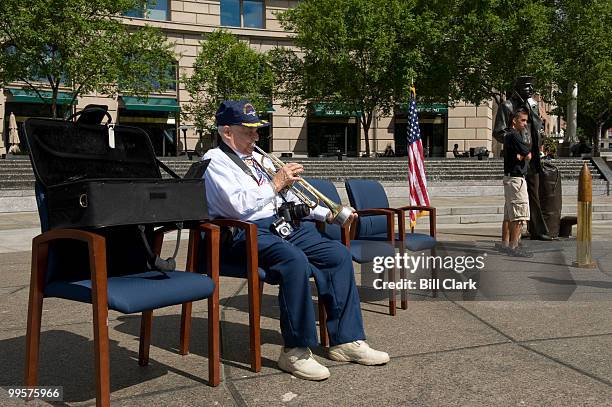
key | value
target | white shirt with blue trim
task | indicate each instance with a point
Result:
(231, 193)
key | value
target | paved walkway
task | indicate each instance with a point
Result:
(538, 332)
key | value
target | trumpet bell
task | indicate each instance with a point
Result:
(341, 214)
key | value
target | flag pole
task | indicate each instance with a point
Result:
(412, 223)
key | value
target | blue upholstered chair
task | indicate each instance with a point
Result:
(362, 251)
(365, 194)
(108, 270)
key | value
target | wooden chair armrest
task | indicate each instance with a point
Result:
(96, 245)
(250, 230)
(432, 218)
(430, 209)
(211, 242)
(389, 213)
(345, 234)
(246, 226)
(90, 238)
(375, 211)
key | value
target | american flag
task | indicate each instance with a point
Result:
(417, 179)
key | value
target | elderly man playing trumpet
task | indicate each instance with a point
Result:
(240, 184)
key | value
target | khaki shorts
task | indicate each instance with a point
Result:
(516, 207)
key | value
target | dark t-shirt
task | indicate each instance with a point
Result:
(513, 145)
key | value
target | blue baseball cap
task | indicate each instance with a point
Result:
(240, 113)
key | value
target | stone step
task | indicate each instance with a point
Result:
(494, 213)
(487, 183)
(16, 174)
(498, 218)
(445, 164)
(569, 207)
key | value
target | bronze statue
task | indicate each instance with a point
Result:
(522, 97)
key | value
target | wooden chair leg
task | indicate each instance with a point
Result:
(392, 303)
(323, 324)
(254, 322)
(212, 269)
(99, 300)
(185, 328)
(39, 264)
(404, 291)
(146, 320)
(434, 274)
(255, 293)
(101, 357)
(214, 354)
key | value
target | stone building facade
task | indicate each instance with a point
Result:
(185, 23)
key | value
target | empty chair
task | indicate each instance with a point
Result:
(366, 194)
(108, 269)
(362, 251)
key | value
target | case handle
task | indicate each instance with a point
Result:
(92, 109)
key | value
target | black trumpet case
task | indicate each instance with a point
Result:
(99, 175)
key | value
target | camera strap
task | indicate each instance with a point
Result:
(236, 160)
(234, 157)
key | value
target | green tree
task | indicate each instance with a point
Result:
(354, 55)
(583, 49)
(482, 46)
(82, 45)
(226, 68)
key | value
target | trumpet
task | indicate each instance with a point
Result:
(340, 213)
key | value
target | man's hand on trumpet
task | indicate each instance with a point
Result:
(287, 175)
(330, 218)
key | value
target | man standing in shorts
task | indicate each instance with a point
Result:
(516, 208)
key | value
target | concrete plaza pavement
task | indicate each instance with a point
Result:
(507, 345)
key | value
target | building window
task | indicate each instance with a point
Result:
(242, 13)
(152, 10)
(161, 82)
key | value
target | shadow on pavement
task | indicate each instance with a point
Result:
(66, 359)
(234, 337)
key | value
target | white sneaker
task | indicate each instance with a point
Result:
(300, 363)
(358, 352)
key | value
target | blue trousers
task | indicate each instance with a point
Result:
(291, 262)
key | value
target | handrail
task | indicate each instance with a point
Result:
(604, 170)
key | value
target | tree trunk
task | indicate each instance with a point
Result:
(597, 137)
(366, 130)
(572, 113)
(54, 103)
(366, 121)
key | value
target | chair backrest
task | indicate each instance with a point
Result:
(328, 189)
(69, 260)
(367, 194)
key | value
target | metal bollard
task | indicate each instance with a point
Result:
(585, 220)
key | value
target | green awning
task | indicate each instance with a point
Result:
(325, 110)
(152, 104)
(29, 96)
